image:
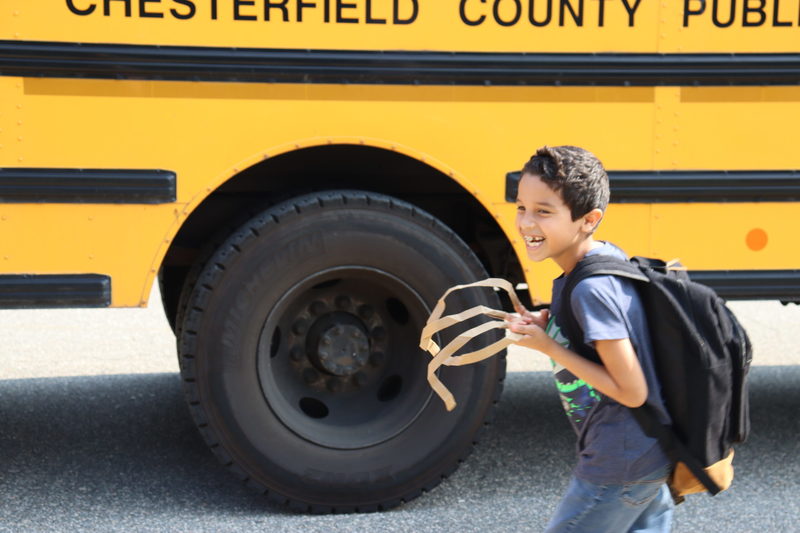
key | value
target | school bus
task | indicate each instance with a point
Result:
(304, 178)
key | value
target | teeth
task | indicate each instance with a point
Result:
(529, 239)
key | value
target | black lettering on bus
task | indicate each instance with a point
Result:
(601, 13)
(340, 7)
(687, 12)
(577, 16)
(269, 5)
(369, 19)
(184, 16)
(747, 9)
(631, 10)
(107, 7)
(715, 18)
(82, 12)
(514, 19)
(532, 16)
(775, 21)
(301, 6)
(213, 9)
(396, 12)
(144, 13)
(462, 11)
(239, 3)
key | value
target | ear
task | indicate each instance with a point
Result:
(591, 220)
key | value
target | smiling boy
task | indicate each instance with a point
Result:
(619, 483)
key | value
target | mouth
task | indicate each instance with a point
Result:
(533, 241)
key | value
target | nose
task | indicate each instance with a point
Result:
(526, 221)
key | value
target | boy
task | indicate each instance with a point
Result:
(619, 482)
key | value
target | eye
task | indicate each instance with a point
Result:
(520, 208)
(543, 211)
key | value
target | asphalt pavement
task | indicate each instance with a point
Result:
(95, 436)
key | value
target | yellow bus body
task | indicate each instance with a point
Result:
(466, 90)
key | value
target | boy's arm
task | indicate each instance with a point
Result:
(619, 377)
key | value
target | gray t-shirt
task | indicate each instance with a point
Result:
(612, 448)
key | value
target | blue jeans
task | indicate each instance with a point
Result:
(642, 506)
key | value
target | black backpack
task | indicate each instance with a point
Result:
(702, 358)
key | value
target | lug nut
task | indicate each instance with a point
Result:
(299, 327)
(296, 353)
(366, 311)
(334, 385)
(342, 301)
(310, 375)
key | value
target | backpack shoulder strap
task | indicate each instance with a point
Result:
(594, 265)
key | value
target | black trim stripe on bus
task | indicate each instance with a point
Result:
(90, 186)
(686, 186)
(781, 285)
(150, 62)
(41, 291)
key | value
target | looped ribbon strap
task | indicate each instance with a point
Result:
(444, 356)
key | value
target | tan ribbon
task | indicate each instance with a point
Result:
(444, 356)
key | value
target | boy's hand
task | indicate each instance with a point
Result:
(523, 313)
(532, 326)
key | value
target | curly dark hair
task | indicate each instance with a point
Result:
(574, 172)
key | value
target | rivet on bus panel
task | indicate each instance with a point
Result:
(265, 156)
(451, 174)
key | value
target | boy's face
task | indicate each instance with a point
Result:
(545, 223)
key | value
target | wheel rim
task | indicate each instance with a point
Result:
(338, 359)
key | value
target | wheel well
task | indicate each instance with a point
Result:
(333, 167)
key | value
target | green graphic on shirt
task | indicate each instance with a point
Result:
(577, 396)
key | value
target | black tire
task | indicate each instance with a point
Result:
(299, 353)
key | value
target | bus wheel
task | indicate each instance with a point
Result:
(299, 353)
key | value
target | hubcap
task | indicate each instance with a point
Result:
(338, 361)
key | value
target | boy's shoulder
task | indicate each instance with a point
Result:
(606, 286)
(602, 288)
